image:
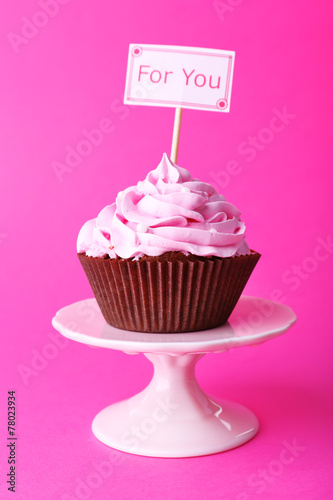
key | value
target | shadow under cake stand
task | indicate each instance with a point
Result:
(172, 416)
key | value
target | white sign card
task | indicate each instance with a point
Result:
(185, 77)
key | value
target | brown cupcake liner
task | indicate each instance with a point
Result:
(171, 293)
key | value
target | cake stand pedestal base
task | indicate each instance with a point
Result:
(173, 417)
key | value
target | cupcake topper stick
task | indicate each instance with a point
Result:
(175, 135)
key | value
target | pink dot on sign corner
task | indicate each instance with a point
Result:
(221, 103)
(136, 51)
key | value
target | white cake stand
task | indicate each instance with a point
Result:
(172, 416)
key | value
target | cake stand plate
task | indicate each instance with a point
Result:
(172, 416)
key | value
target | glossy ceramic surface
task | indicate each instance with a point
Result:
(172, 416)
(253, 321)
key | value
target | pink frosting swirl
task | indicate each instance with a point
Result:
(168, 211)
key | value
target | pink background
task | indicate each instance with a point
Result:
(69, 76)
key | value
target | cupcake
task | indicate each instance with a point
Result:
(168, 256)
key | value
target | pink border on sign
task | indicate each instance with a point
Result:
(205, 106)
(130, 74)
(228, 78)
(177, 103)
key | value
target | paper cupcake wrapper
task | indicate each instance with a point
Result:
(172, 293)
